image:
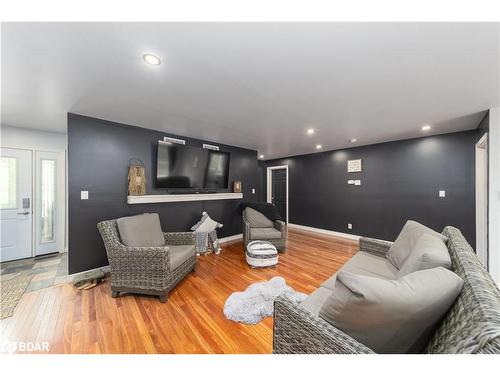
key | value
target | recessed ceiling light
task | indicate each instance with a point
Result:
(319, 147)
(426, 128)
(353, 140)
(151, 59)
(261, 156)
(310, 131)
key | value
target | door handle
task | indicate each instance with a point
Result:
(23, 213)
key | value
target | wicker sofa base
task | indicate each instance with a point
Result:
(178, 275)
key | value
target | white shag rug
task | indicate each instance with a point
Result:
(256, 302)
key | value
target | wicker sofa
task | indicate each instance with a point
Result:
(252, 235)
(472, 325)
(145, 270)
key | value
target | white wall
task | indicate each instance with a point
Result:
(494, 194)
(20, 137)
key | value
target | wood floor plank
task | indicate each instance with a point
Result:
(192, 320)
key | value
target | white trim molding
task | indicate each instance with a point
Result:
(325, 231)
(159, 198)
(231, 238)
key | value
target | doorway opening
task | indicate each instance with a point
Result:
(482, 200)
(277, 189)
(32, 216)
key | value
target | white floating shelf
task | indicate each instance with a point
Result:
(139, 199)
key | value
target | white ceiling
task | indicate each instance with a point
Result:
(254, 85)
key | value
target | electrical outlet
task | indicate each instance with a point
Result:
(349, 226)
(253, 191)
(84, 194)
(442, 193)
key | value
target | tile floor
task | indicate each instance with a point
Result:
(47, 270)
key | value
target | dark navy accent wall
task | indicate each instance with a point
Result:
(98, 159)
(400, 181)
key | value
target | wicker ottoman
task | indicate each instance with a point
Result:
(261, 254)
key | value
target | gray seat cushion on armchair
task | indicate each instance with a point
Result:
(264, 233)
(179, 254)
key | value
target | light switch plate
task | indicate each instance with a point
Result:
(442, 193)
(350, 182)
(253, 191)
(349, 226)
(357, 182)
(84, 194)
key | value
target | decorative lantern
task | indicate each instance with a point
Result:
(136, 177)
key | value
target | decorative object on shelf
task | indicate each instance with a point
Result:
(354, 165)
(136, 177)
(206, 235)
(237, 187)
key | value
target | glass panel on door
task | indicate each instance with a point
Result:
(48, 197)
(8, 182)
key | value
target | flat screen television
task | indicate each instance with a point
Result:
(181, 167)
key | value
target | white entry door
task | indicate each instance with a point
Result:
(16, 213)
(49, 194)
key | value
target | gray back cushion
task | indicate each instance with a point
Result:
(256, 219)
(391, 316)
(428, 252)
(408, 237)
(141, 230)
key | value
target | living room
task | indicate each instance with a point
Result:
(250, 188)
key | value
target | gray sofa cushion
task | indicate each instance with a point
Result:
(141, 230)
(256, 219)
(179, 254)
(264, 233)
(367, 264)
(409, 235)
(428, 252)
(315, 300)
(391, 316)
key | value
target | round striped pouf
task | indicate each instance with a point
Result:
(261, 254)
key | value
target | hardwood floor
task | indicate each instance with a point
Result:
(192, 321)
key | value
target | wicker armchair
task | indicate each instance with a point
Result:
(144, 270)
(279, 243)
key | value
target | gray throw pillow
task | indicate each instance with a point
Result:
(141, 231)
(392, 316)
(428, 252)
(256, 219)
(409, 235)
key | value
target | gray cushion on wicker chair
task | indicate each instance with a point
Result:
(315, 300)
(264, 233)
(428, 252)
(364, 263)
(179, 254)
(141, 230)
(257, 219)
(406, 240)
(392, 316)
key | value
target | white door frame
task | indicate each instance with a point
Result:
(269, 185)
(481, 187)
(63, 199)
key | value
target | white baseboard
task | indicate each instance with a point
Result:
(231, 238)
(73, 276)
(325, 231)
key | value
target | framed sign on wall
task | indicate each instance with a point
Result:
(354, 165)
